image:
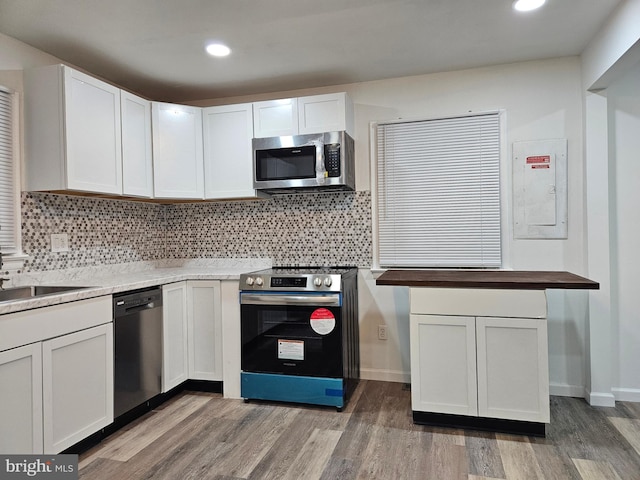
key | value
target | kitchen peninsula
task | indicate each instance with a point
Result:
(478, 341)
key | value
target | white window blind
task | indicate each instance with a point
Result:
(8, 208)
(438, 192)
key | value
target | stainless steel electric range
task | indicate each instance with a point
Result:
(300, 335)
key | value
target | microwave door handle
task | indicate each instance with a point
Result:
(249, 299)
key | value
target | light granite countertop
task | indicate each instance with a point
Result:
(110, 279)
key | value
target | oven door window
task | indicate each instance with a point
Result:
(293, 340)
(286, 163)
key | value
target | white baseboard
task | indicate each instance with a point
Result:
(385, 375)
(600, 399)
(565, 390)
(626, 394)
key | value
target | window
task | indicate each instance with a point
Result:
(437, 192)
(9, 187)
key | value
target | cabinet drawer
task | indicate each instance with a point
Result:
(479, 302)
(39, 324)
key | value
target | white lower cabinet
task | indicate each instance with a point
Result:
(204, 328)
(56, 375)
(479, 365)
(231, 335)
(77, 386)
(21, 400)
(175, 360)
(443, 364)
(192, 334)
(513, 368)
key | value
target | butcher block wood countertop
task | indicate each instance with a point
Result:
(505, 279)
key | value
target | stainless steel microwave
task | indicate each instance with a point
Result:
(304, 163)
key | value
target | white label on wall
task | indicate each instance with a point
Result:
(540, 190)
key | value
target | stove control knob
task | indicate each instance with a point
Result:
(259, 281)
(327, 281)
(249, 281)
(317, 282)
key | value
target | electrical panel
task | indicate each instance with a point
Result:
(540, 189)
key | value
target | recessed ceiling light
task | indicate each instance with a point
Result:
(527, 5)
(218, 50)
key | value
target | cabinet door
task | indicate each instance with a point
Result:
(325, 113)
(230, 318)
(137, 168)
(21, 400)
(93, 134)
(443, 364)
(205, 330)
(513, 370)
(77, 386)
(175, 363)
(274, 118)
(177, 151)
(228, 166)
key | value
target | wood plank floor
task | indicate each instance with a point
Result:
(204, 436)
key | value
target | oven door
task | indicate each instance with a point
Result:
(292, 333)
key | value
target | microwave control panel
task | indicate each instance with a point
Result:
(332, 160)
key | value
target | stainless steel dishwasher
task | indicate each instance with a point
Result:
(138, 348)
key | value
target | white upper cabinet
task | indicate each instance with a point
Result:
(228, 166)
(137, 168)
(177, 151)
(303, 115)
(275, 118)
(325, 113)
(73, 132)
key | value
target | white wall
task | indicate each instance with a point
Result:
(624, 174)
(611, 56)
(614, 49)
(16, 56)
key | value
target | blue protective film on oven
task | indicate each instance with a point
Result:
(332, 392)
(292, 388)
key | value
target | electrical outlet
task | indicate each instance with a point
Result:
(59, 242)
(382, 332)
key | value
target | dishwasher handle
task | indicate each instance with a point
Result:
(138, 308)
(129, 303)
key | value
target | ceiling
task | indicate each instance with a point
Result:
(156, 47)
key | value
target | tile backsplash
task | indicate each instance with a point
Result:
(309, 229)
(100, 231)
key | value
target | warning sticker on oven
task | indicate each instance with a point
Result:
(290, 349)
(322, 321)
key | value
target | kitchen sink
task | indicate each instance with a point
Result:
(33, 291)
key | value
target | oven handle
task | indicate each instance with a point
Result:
(257, 299)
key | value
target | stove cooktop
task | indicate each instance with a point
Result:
(297, 278)
(297, 270)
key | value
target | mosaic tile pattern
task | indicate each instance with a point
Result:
(101, 231)
(310, 229)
